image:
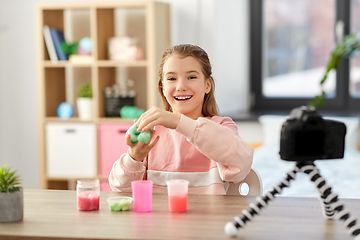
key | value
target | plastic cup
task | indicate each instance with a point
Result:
(142, 195)
(177, 195)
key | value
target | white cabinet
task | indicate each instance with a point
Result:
(71, 150)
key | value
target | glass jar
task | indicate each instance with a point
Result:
(88, 194)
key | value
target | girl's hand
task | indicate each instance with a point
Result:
(156, 116)
(141, 149)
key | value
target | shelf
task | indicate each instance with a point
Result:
(111, 63)
(115, 120)
(72, 120)
(59, 81)
(98, 120)
(100, 63)
(57, 64)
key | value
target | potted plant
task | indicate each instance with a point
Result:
(11, 196)
(84, 101)
(349, 45)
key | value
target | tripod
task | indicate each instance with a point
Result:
(331, 206)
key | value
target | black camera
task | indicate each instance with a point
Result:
(306, 136)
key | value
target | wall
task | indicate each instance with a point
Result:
(219, 26)
(18, 109)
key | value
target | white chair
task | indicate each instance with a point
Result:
(253, 180)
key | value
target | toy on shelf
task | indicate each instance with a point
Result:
(80, 52)
(306, 137)
(131, 112)
(85, 46)
(82, 47)
(65, 110)
(69, 48)
(124, 49)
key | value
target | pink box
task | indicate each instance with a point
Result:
(112, 145)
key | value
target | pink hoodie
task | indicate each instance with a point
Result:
(208, 152)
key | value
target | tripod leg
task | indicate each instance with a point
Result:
(231, 228)
(324, 190)
(331, 206)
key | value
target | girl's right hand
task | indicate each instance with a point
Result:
(140, 150)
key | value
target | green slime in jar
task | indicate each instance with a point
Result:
(122, 205)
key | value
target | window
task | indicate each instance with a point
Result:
(291, 42)
(354, 86)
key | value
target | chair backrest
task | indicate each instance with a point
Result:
(253, 180)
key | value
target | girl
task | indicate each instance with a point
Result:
(189, 139)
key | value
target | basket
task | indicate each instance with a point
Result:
(114, 104)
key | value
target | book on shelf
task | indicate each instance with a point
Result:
(49, 43)
(58, 37)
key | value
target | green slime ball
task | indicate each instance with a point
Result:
(131, 112)
(138, 136)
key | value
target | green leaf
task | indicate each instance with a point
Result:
(347, 48)
(85, 90)
(9, 180)
(69, 48)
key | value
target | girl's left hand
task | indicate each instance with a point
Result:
(156, 116)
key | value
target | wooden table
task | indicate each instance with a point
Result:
(53, 214)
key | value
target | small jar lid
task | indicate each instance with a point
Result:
(88, 182)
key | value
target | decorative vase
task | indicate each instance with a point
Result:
(84, 107)
(11, 206)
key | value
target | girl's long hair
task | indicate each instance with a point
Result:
(209, 107)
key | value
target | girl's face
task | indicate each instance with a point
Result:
(184, 85)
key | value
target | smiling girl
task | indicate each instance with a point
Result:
(189, 139)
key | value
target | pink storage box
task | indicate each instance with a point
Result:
(112, 145)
